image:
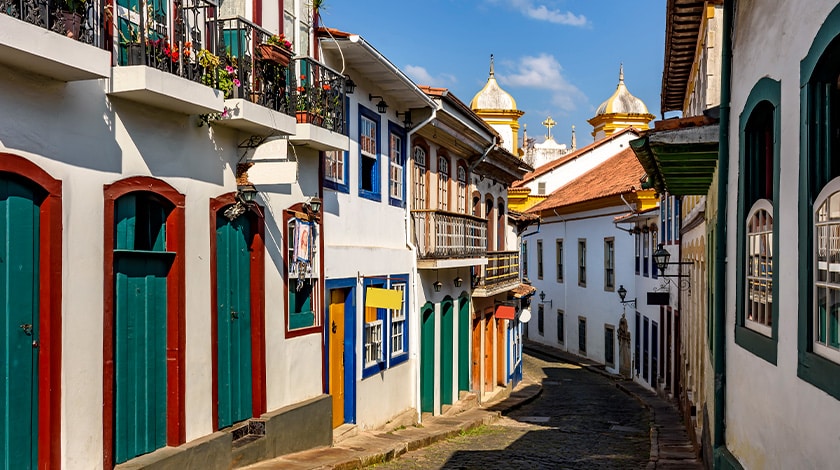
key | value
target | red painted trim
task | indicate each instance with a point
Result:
(49, 313)
(288, 214)
(175, 318)
(257, 6)
(258, 361)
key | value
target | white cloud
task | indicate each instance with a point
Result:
(544, 72)
(541, 12)
(421, 76)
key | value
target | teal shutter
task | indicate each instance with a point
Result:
(141, 267)
(19, 289)
(446, 351)
(464, 343)
(427, 358)
(233, 289)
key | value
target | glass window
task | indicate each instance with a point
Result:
(540, 318)
(582, 263)
(561, 327)
(582, 335)
(397, 171)
(443, 183)
(369, 177)
(302, 275)
(462, 189)
(420, 194)
(609, 345)
(559, 260)
(827, 275)
(335, 166)
(539, 259)
(759, 308)
(609, 263)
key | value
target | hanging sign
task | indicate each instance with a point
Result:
(383, 298)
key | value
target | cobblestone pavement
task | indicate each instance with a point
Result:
(581, 421)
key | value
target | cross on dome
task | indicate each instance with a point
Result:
(549, 123)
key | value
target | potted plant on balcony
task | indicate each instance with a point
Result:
(309, 109)
(276, 49)
(219, 72)
(70, 14)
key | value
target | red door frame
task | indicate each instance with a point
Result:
(175, 314)
(49, 312)
(258, 393)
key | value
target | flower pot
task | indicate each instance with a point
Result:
(72, 23)
(274, 53)
(307, 117)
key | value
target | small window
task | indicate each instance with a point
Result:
(396, 174)
(759, 308)
(369, 177)
(525, 258)
(462, 189)
(302, 274)
(582, 335)
(827, 273)
(373, 340)
(541, 189)
(609, 345)
(561, 327)
(559, 260)
(540, 318)
(645, 251)
(609, 264)
(638, 241)
(582, 262)
(539, 259)
(397, 317)
(419, 180)
(334, 167)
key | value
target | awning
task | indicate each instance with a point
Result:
(681, 161)
(505, 312)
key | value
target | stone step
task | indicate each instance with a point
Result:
(345, 431)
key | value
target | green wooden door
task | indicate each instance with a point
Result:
(141, 265)
(233, 314)
(427, 358)
(447, 366)
(464, 343)
(19, 251)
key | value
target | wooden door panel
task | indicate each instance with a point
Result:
(336, 344)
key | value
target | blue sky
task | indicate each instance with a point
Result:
(556, 57)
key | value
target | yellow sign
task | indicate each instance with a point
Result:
(383, 298)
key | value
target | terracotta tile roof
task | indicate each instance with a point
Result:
(620, 174)
(543, 169)
(336, 33)
(522, 290)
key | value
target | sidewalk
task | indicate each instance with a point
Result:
(371, 447)
(670, 447)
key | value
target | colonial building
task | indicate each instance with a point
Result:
(162, 206)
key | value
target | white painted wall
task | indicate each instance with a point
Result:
(597, 305)
(79, 136)
(774, 419)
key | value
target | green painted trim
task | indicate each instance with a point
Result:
(827, 32)
(812, 368)
(724, 460)
(765, 90)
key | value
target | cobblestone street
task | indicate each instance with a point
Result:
(581, 421)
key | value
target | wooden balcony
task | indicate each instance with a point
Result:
(501, 273)
(449, 240)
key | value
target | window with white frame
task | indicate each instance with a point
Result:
(443, 183)
(419, 180)
(369, 177)
(827, 275)
(297, 27)
(541, 188)
(335, 166)
(609, 263)
(398, 324)
(462, 190)
(396, 173)
(374, 353)
(759, 275)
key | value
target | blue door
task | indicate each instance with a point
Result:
(19, 289)
(233, 316)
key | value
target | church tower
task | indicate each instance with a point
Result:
(498, 109)
(620, 111)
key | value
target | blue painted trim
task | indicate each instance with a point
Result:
(376, 193)
(381, 314)
(342, 187)
(349, 342)
(402, 357)
(400, 132)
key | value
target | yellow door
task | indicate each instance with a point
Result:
(337, 355)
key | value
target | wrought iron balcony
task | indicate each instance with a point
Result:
(320, 97)
(76, 19)
(499, 274)
(440, 234)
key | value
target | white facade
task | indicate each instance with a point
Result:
(759, 432)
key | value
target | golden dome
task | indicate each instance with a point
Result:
(622, 102)
(492, 96)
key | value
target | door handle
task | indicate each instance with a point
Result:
(234, 315)
(27, 329)
(333, 326)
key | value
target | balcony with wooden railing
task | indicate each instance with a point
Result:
(448, 240)
(499, 274)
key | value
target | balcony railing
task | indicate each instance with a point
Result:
(440, 234)
(261, 69)
(173, 38)
(320, 96)
(75, 19)
(502, 268)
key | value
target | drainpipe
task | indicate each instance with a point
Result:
(415, 307)
(719, 312)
